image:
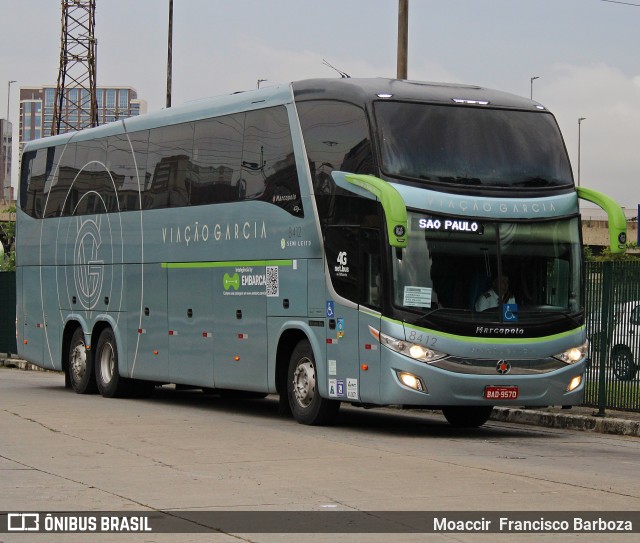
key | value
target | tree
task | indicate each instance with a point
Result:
(8, 235)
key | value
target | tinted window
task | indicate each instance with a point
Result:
(217, 155)
(471, 146)
(93, 185)
(32, 183)
(353, 259)
(336, 137)
(230, 158)
(268, 163)
(169, 166)
(122, 167)
(57, 194)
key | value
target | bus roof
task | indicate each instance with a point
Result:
(189, 111)
(356, 90)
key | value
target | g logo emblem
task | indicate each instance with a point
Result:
(88, 269)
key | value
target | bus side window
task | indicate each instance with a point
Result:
(268, 162)
(32, 179)
(217, 154)
(122, 167)
(169, 160)
(58, 190)
(93, 185)
(371, 282)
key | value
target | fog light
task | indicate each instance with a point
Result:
(574, 383)
(411, 381)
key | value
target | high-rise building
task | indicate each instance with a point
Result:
(36, 109)
(5, 160)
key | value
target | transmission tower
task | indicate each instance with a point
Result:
(77, 69)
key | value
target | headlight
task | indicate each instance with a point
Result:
(412, 350)
(575, 354)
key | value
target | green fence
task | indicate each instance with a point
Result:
(613, 327)
(8, 312)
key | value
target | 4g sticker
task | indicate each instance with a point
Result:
(342, 264)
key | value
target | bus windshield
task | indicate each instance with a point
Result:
(477, 267)
(470, 146)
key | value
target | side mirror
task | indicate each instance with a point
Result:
(615, 216)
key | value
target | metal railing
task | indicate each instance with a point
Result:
(612, 299)
(8, 312)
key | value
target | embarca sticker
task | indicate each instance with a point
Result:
(247, 281)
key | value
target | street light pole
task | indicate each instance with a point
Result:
(8, 149)
(403, 38)
(532, 80)
(169, 53)
(579, 126)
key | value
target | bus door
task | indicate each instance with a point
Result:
(147, 321)
(52, 319)
(353, 260)
(240, 342)
(371, 291)
(31, 320)
(190, 318)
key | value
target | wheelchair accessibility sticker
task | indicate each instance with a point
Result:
(510, 312)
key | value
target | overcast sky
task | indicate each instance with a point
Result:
(586, 54)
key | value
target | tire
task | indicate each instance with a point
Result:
(80, 372)
(108, 379)
(622, 363)
(467, 416)
(307, 406)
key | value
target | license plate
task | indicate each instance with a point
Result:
(501, 392)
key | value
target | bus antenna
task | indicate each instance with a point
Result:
(342, 74)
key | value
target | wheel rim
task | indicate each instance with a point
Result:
(622, 364)
(107, 363)
(304, 382)
(78, 361)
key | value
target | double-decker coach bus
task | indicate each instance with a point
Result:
(371, 241)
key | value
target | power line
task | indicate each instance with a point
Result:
(620, 2)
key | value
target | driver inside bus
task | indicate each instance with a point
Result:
(498, 294)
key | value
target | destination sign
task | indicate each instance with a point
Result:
(450, 225)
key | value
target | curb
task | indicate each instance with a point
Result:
(19, 364)
(604, 425)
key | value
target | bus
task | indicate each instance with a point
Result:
(328, 241)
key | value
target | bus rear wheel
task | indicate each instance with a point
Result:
(108, 379)
(462, 416)
(80, 365)
(307, 406)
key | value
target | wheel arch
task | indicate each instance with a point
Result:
(286, 343)
(71, 324)
(101, 323)
(291, 333)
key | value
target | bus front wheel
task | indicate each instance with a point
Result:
(80, 365)
(307, 406)
(467, 417)
(110, 384)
